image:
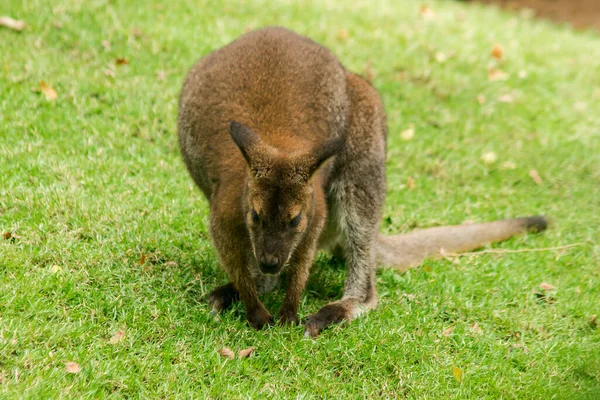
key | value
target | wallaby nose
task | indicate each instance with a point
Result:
(269, 264)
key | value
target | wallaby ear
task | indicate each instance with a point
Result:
(325, 151)
(245, 139)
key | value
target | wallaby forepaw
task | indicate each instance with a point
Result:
(222, 298)
(328, 315)
(259, 318)
(288, 319)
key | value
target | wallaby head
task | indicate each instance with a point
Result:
(279, 199)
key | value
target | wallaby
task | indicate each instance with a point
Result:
(289, 148)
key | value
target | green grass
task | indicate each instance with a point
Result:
(93, 180)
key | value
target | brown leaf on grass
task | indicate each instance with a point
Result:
(426, 12)
(246, 352)
(136, 32)
(506, 98)
(121, 61)
(448, 331)
(593, 321)
(520, 346)
(458, 374)
(535, 176)
(13, 24)
(161, 75)
(509, 165)
(117, 337)
(497, 52)
(441, 57)
(408, 134)
(142, 258)
(48, 91)
(227, 353)
(343, 35)
(7, 235)
(72, 367)
(495, 74)
(476, 329)
(489, 157)
(410, 183)
(546, 286)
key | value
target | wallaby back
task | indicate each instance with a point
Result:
(405, 251)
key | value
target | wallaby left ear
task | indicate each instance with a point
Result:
(245, 138)
(325, 151)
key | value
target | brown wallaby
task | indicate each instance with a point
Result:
(289, 148)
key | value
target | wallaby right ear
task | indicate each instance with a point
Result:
(245, 139)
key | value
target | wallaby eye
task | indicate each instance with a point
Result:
(255, 217)
(294, 222)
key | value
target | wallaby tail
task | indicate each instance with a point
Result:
(405, 251)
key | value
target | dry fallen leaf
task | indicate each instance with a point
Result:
(121, 61)
(142, 258)
(497, 52)
(535, 176)
(506, 98)
(227, 353)
(489, 158)
(72, 367)
(520, 346)
(343, 34)
(48, 91)
(476, 329)
(246, 352)
(546, 286)
(117, 337)
(441, 57)
(7, 235)
(594, 321)
(458, 374)
(495, 74)
(161, 75)
(426, 12)
(509, 165)
(447, 332)
(410, 183)
(408, 134)
(13, 24)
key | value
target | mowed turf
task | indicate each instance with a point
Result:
(109, 234)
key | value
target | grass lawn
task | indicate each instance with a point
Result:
(109, 233)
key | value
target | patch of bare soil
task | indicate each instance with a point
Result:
(581, 14)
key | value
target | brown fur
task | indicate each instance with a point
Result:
(289, 149)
